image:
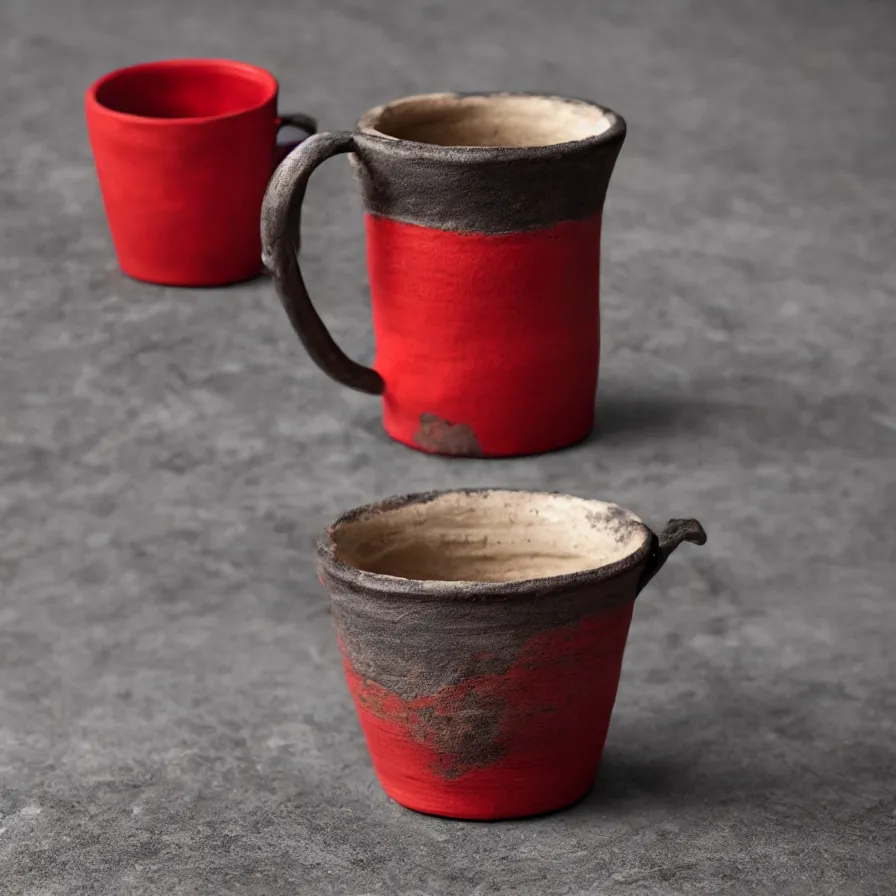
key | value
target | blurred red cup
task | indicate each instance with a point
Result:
(184, 149)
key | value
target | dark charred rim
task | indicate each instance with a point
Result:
(441, 589)
(413, 149)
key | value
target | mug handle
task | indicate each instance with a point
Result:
(281, 240)
(297, 120)
(672, 536)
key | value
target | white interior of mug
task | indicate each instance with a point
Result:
(488, 536)
(511, 120)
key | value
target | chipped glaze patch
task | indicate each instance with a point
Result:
(439, 436)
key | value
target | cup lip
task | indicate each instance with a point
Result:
(382, 584)
(261, 75)
(401, 147)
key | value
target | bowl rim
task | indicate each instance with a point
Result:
(385, 585)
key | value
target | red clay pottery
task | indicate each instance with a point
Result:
(483, 249)
(184, 150)
(482, 635)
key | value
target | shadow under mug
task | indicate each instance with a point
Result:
(483, 217)
(184, 150)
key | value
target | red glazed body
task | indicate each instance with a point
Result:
(487, 343)
(534, 734)
(184, 152)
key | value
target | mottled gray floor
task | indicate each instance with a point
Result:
(173, 718)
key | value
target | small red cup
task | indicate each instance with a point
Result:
(184, 149)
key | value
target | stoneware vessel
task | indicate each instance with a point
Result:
(482, 635)
(184, 149)
(483, 216)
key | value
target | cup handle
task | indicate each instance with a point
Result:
(281, 241)
(297, 120)
(672, 536)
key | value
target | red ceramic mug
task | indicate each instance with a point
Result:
(483, 249)
(482, 635)
(184, 149)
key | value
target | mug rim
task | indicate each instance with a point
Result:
(414, 148)
(261, 75)
(383, 584)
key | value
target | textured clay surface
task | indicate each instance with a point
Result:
(174, 719)
(386, 640)
(440, 436)
(483, 188)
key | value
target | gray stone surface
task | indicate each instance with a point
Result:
(173, 718)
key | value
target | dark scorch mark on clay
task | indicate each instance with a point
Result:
(616, 520)
(516, 188)
(465, 732)
(414, 647)
(440, 436)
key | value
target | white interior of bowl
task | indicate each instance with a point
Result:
(489, 536)
(509, 121)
